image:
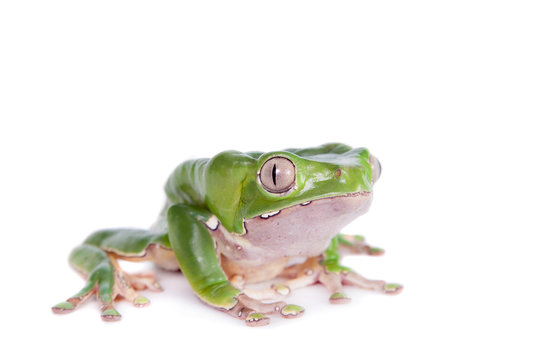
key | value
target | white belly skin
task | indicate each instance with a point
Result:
(297, 231)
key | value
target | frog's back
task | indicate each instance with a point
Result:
(186, 184)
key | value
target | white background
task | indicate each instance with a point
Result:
(100, 100)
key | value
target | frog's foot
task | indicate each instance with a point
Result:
(73, 302)
(311, 272)
(111, 284)
(356, 244)
(254, 311)
(332, 276)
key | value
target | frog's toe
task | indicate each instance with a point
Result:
(257, 319)
(130, 295)
(292, 311)
(352, 278)
(109, 313)
(141, 301)
(63, 307)
(72, 303)
(145, 281)
(339, 298)
(128, 284)
(392, 289)
(375, 251)
(250, 316)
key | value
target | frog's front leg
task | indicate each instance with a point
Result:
(195, 251)
(96, 261)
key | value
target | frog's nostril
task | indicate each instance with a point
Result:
(376, 168)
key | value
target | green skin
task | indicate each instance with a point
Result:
(228, 187)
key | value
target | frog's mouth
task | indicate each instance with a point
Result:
(309, 202)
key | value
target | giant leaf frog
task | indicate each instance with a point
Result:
(242, 218)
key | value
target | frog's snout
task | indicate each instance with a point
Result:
(375, 168)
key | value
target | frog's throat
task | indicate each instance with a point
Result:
(301, 230)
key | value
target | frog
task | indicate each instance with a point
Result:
(245, 229)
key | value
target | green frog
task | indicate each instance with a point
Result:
(238, 219)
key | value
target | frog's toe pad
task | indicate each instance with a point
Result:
(257, 319)
(392, 289)
(375, 251)
(292, 311)
(64, 307)
(141, 301)
(339, 298)
(110, 314)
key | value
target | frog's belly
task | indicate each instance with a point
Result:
(296, 231)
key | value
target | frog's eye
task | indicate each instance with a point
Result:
(375, 168)
(277, 174)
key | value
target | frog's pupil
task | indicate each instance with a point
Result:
(274, 174)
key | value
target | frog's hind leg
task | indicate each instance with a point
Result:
(328, 271)
(96, 260)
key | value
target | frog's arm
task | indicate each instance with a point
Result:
(194, 249)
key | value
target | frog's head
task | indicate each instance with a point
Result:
(333, 179)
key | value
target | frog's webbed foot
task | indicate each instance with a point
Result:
(255, 312)
(331, 275)
(110, 284)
